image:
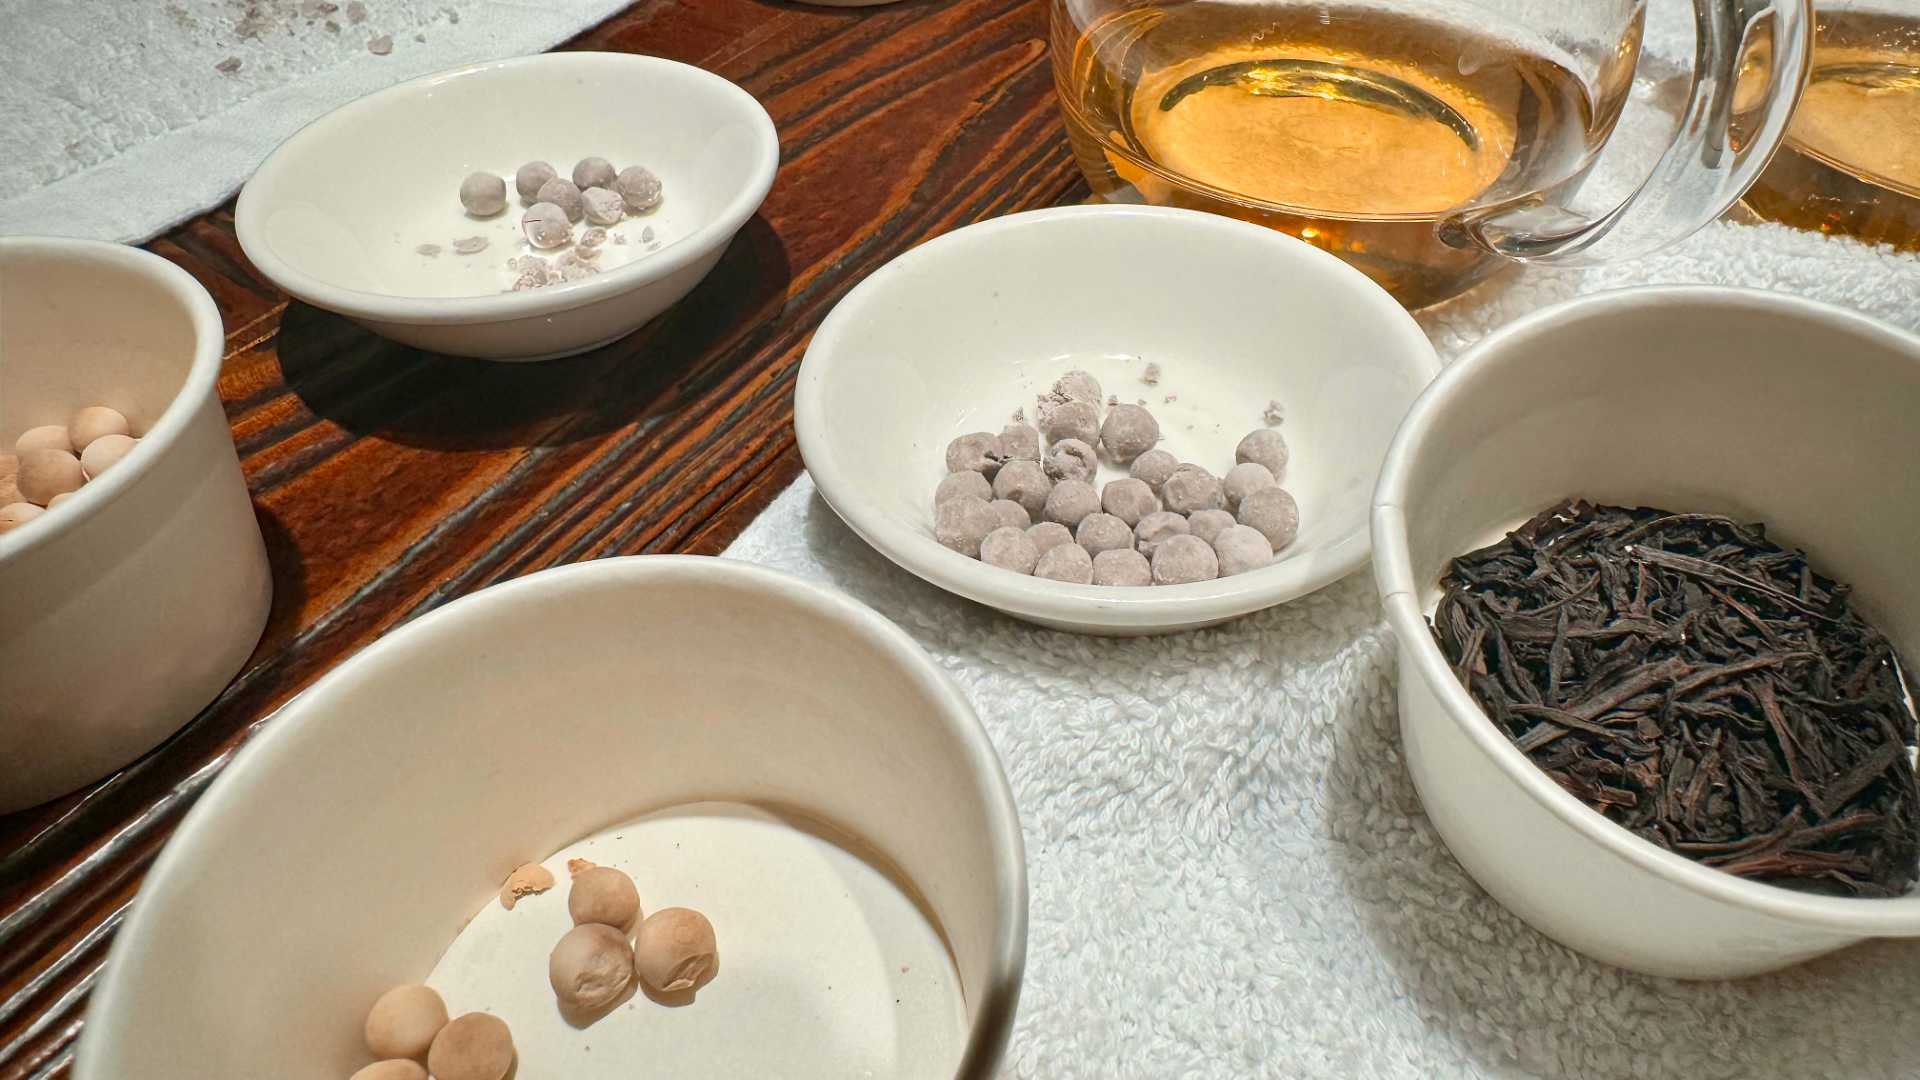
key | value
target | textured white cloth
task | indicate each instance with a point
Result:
(116, 122)
(1230, 872)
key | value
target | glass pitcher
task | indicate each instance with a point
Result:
(1851, 160)
(1424, 141)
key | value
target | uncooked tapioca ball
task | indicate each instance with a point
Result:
(1018, 442)
(963, 485)
(1184, 559)
(974, 451)
(1156, 529)
(104, 453)
(1047, 535)
(602, 894)
(530, 178)
(1154, 467)
(1075, 386)
(1191, 489)
(560, 192)
(602, 207)
(546, 225)
(1129, 500)
(639, 187)
(591, 172)
(394, 1069)
(960, 524)
(1243, 480)
(476, 1046)
(46, 473)
(1025, 482)
(1121, 566)
(1242, 548)
(1068, 562)
(593, 237)
(675, 950)
(1011, 513)
(1070, 420)
(1070, 502)
(1263, 447)
(1207, 524)
(45, 437)
(1071, 459)
(14, 515)
(1103, 532)
(483, 194)
(591, 966)
(96, 421)
(1009, 548)
(1128, 432)
(1274, 513)
(404, 1022)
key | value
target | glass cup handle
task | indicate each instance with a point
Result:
(1727, 132)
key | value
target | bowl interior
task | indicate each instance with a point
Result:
(956, 335)
(383, 807)
(83, 328)
(349, 200)
(1750, 404)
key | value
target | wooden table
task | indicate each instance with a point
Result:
(389, 482)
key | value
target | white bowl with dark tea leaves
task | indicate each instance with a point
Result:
(1666, 737)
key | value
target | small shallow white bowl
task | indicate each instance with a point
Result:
(952, 336)
(126, 609)
(336, 213)
(1754, 404)
(349, 843)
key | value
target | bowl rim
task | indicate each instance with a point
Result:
(196, 390)
(1108, 607)
(251, 211)
(280, 740)
(1421, 657)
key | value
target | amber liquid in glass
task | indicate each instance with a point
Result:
(1354, 129)
(1851, 160)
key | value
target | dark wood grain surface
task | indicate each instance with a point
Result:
(389, 481)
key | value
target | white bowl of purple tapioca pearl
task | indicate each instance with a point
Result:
(383, 210)
(1215, 328)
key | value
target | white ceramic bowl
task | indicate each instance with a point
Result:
(336, 213)
(128, 607)
(349, 843)
(952, 336)
(1754, 404)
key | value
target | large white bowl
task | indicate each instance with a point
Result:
(126, 609)
(336, 213)
(347, 845)
(953, 335)
(1753, 404)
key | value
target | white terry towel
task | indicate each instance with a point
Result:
(117, 123)
(1231, 876)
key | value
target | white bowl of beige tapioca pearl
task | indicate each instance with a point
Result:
(563, 718)
(341, 214)
(1209, 325)
(138, 594)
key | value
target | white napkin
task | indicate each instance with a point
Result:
(116, 122)
(1230, 872)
